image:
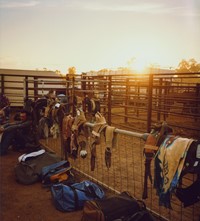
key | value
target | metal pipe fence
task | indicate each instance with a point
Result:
(132, 102)
(127, 174)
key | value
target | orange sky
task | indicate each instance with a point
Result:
(92, 35)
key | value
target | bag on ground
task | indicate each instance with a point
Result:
(68, 198)
(56, 173)
(143, 215)
(28, 171)
(119, 207)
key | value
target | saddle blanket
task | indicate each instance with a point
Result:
(169, 163)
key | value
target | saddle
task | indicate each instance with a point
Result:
(92, 105)
(188, 150)
(79, 135)
(153, 141)
(66, 133)
(98, 128)
(39, 108)
(191, 194)
(111, 142)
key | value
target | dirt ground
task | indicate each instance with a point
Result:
(26, 203)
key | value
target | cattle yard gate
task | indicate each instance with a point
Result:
(130, 103)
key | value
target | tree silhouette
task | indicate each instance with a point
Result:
(71, 72)
(188, 66)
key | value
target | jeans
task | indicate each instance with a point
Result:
(6, 141)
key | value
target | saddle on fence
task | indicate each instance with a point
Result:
(98, 128)
(79, 135)
(102, 128)
(94, 106)
(66, 133)
(191, 194)
(154, 139)
(75, 135)
(111, 142)
(174, 157)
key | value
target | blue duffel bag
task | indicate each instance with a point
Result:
(68, 198)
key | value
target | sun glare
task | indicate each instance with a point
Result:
(144, 64)
(139, 66)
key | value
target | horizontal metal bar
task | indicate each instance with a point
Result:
(124, 132)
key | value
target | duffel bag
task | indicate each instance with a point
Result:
(118, 207)
(29, 171)
(68, 198)
(56, 173)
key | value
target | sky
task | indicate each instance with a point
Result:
(91, 35)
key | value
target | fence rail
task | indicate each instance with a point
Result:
(130, 103)
(127, 173)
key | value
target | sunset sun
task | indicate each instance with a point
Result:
(139, 65)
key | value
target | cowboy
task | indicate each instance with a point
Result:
(18, 134)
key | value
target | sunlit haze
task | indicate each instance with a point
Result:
(93, 35)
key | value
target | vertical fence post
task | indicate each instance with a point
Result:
(150, 93)
(159, 99)
(42, 87)
(109, 99)
(67, 87)
(83, 82)
(73, 97)
(127, 100)
(166, 100)
(2, 84)
(137, 103)
(26, 87)
(83, 88)
(63, 152)
(35, 83)
(197, 101)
